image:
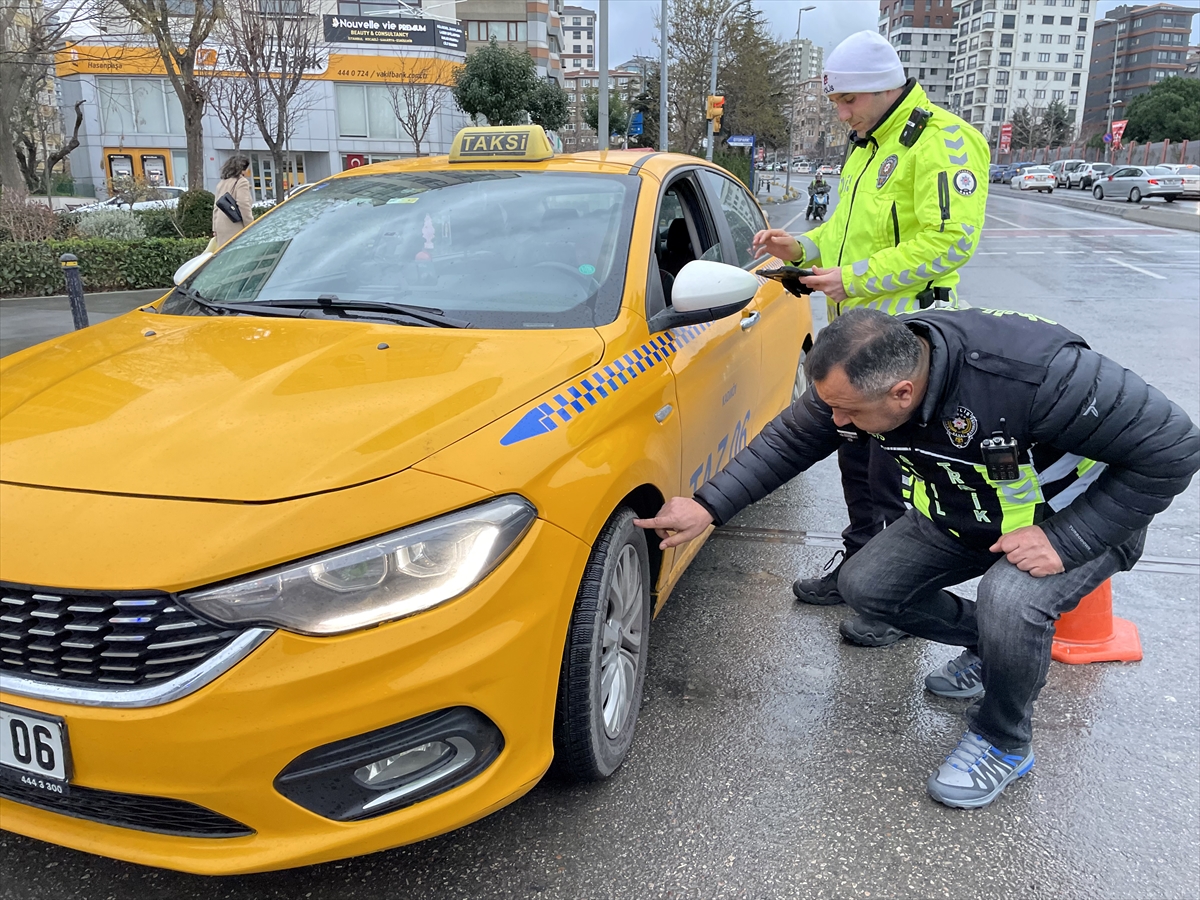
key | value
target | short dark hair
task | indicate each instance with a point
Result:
(234, 166)
(875, 350)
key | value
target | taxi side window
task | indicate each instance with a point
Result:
(684, 231)
(741, 212)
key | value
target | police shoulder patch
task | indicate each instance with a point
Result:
(886, 168)
(964, 182)
(961, 427)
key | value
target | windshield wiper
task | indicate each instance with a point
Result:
(427, 314)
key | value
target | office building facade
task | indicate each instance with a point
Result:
(1151, 44)
(922, 31)
(1020, 54)
(534, 26)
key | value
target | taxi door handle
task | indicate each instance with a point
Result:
(751, 320)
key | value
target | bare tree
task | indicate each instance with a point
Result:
(231, 100)
(179, 28)
(276, 43)
(416, 97)
(29, 32)
(37, 135)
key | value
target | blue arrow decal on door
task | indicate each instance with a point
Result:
(600, 384)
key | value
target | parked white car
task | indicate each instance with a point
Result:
(1135, 183)
(165, 198)
(1190, 176)
(1062, 169)
(1087, 174)
(1033, 178)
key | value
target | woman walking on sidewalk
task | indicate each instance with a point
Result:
(234, 183)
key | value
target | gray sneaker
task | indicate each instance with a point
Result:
(976, 773)
(961, 677)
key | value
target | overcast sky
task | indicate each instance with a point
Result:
(632, 22)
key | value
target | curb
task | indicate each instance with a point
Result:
(1144, 215)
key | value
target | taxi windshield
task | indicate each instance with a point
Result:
(497, 249)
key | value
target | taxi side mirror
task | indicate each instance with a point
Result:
(705, 291)
(182, 273)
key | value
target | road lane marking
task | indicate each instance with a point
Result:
(1147, 251)
(1136, 269)
(1069, 252)
(991, 253)
(1005, 221)
(1031, 253)
(793, 219)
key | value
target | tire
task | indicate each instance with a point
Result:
(1135, 196)
(593, 729)
(1098, 192)
(1170, 198)
(1051, 191)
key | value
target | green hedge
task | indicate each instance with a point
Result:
(33, 269)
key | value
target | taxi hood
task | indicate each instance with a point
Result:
(245, 408)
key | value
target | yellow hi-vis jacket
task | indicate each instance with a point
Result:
(906, 217)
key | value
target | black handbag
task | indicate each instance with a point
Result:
(227, 205)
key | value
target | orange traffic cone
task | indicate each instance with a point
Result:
(1089, 633)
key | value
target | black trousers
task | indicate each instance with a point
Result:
(871, 483)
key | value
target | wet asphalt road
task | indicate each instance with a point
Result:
(774, 761)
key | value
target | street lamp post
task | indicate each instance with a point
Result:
(1112, 83)
(663, 124)
(712, 80)
(602, 46)
(792, 105)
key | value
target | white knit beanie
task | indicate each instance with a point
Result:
(865, 61)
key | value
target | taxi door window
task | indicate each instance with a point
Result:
(741, 213)
(684, 231)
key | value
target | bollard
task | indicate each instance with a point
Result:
(70, 265)
(1090, 633)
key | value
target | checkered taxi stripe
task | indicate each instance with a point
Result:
(600, 384)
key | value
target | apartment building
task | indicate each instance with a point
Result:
(133, 123)
(805, 59)
(817, 134)
(534, 26)
(922, 31)
(579, 38)
(627, 80)
(1151, 44)
(1014, 54)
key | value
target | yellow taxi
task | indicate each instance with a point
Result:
(331, 549)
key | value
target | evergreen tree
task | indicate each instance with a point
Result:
(1169, 111)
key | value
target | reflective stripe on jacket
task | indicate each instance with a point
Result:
(906, 217)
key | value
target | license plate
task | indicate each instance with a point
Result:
(34, 750)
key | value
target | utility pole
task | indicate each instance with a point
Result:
(712, 80)
(602, 35)
(792, 92)
(1112, 84)
(663, 124)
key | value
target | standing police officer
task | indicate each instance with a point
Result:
(1036, 463)
(910, 210)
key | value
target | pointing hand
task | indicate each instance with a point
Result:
(679, 521)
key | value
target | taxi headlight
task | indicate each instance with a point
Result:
(374, 581)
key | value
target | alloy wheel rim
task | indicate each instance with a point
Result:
(621, 640)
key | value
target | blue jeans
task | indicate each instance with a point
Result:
(900, 577)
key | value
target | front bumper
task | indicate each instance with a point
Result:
(496, 649)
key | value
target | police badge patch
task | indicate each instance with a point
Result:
(886, 168)
(964, 182)
(961, 427)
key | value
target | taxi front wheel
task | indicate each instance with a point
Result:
(604, 661)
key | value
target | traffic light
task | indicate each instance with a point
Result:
(714, 111)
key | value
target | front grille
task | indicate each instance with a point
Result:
(93, 638)
(143, 813)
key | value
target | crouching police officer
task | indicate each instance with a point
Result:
(1036, 463)
(910, 209)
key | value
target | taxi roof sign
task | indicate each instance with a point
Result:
(526, 143)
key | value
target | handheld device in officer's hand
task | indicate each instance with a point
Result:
(1000, 455)
(789, 277)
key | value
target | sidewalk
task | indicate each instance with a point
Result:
(25, 321)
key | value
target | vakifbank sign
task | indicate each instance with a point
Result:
(395, 32)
